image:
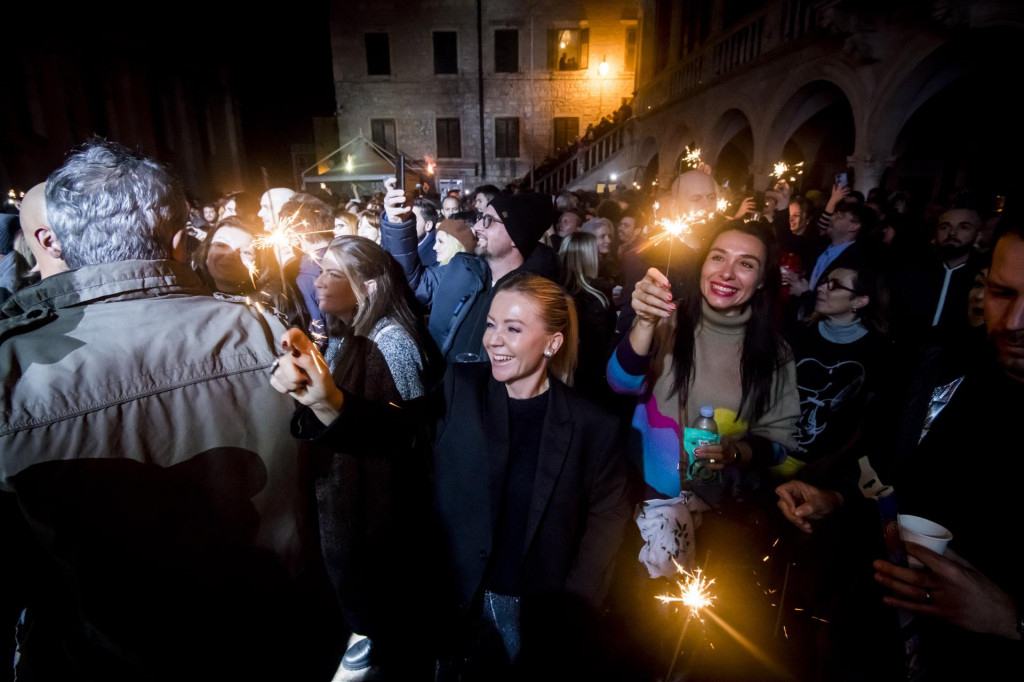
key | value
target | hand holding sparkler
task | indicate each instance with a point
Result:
(396, 204)
(652, 298)
(652, 301)
(302, 373)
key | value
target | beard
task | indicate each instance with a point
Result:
(1009, 345)
(952, 250)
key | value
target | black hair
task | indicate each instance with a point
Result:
(863, 214)
(429, 208)
(764, 351)
(489, 191)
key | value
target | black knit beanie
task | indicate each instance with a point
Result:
(526, 216)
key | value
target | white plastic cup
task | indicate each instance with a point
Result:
(923, 532)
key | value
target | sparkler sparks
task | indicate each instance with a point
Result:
(285, 236)
(694, 590)
(722, 206)
(676, 227)
(316, 327)
(784, 171)
(691, 158)
(253, 272)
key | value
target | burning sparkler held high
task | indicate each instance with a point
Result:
(783, 171)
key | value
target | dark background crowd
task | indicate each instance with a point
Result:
(171, 512)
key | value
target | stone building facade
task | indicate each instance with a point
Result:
(483, 89)
(898, 94)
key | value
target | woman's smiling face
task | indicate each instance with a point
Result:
(733, 271)
(515, 339)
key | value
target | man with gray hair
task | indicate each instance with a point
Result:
(149, 482)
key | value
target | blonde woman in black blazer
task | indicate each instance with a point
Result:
(529, 483)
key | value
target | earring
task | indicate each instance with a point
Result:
(548, 353)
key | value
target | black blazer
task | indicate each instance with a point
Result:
(579, 508)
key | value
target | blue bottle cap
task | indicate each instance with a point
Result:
(707, 411)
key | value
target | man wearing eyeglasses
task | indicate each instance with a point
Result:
(507, 233)
(843, 251)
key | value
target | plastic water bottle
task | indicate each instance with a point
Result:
(703, 431)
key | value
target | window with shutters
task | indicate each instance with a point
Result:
(382, 132)
(506, 138)
(449, 138)
(629, 63)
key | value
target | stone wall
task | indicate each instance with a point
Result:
(415, 97)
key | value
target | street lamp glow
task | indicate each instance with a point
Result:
(614, 177)
(603, 68)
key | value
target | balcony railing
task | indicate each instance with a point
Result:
(596, 153)
(759, 35)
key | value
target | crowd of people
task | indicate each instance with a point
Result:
(458, 437)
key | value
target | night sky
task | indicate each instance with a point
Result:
(279, 62)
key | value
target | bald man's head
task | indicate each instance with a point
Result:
(695, 191)
(36, 228)
(271, 203)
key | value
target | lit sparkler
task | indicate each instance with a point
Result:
(253, 272)
(695, 594)
(285, 236)
(692, 158)
(722, 206)
(694, 591)
(675, 228)
(783, 171)
(283, 239)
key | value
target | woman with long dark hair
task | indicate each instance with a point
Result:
(717, 344)
(710, 342)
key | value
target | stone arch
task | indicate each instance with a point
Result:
(730, 147)
(815, 125)
(949, 126)
(645, 166)
(931, 66)
(681, 136)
